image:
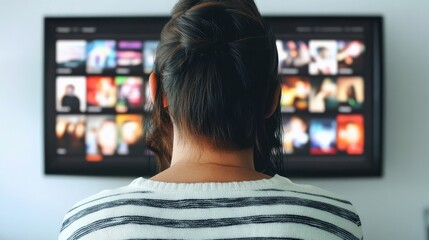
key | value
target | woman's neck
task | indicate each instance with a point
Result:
(197, 161)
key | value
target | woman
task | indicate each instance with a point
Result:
(216, 134)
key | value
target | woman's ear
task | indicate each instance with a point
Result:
(274, 102)
(153, 85)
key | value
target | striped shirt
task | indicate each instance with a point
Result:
(274, 208)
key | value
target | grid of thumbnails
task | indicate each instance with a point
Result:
(323, 98)
(102, 96)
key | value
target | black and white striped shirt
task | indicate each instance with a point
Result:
(273, 208)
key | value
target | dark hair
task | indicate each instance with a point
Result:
(321, 49)
(351, 92)
(217, 66)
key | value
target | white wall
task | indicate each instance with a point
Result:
(32, 205)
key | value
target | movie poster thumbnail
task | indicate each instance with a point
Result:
(350, 57)
(70, 56)
(323, 95)
(101, 93)
(130, 94)
(294, 56)
(351, 134)
(323, 57)
(101, 56)
(296, 138)
(323, 136)
(101, 137)
(129, 57)
(295, 94)
(350, 93)
(131, 131)
(149, 55)
(70, 134)
(71, 94)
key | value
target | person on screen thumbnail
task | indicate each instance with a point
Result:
(64, 129)
(323, 57)
(106, 95)
(295, 93)
(107, 138)
(131, 141)
(302, 90)
(77, 141)
(101, 137)
(101, 92)
(298, 55)
(324, 96)
(351, 133)
(215, 130)
(71, 136)
(130, 96)
(351, 96)
(323, 136)
(70, 100)
(295, 136)
(322, 61)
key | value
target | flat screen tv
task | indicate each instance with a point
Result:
(96, 94)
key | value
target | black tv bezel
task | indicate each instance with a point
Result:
(370, 168)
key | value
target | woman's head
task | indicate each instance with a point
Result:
(216, 65)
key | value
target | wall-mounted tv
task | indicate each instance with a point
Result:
(96, 94)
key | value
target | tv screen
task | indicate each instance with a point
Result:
(97, 103)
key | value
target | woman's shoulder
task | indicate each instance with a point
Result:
(312, 193)
(324, 204)
(106, 195)
(288, 186)
(94, 206)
